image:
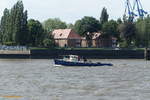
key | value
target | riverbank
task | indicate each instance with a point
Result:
(91, 54)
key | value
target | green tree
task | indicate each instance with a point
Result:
(104, 16)
(36, 32)
(140, 35)
(119, 21)
(23, 36)
(52, 24)
(48, 41)
(87, 25)
(147, 31)
(4, 33)
(14, 25)
(110, 28)
(78, 27)
(70, 26)
(18, 21)
(128, 31)
(143, 32)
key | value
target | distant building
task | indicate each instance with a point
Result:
(84, 42)
(100, 41)
(66, 38)
(69, 38)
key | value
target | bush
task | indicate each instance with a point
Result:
(48, 43)
(123, 44)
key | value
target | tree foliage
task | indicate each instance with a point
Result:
(128, 31)
(87, 25)
(48, 42)
(4, 25)
(70, 26)
(52, 24)
(14, 25)
(36, 32)
(104, 16)
(143, 32)
(15, 29)
(110, 28)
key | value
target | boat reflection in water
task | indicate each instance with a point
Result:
(74, 60)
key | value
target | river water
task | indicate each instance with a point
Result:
(28, 79)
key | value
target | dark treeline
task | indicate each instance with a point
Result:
(13, 27)
(16, 29)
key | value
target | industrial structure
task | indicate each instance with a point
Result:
(134, 9)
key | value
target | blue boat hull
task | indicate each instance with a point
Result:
(67, 63)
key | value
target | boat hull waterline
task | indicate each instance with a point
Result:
(68, 63)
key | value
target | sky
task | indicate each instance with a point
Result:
(70, 10)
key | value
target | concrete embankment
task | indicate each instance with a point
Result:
(16, 54)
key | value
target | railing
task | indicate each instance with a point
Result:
(14, 48)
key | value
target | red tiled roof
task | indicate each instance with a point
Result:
(61, 33)
(65, 34)
(74, 35)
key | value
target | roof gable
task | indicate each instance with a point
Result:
(74, 35)
(61, 33)
(65, 34)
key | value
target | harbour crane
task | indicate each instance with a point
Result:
(134, 10)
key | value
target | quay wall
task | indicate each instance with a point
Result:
(92, 54)
(14, 54)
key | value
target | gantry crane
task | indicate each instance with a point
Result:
(134, 10)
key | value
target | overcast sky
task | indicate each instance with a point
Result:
(70, 10)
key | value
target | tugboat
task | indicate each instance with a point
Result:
(75, 60)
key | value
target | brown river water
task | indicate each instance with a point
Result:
(30, 79)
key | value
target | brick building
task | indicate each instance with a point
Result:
(69, 38)
(66, 38)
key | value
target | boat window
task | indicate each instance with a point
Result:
(66, 56)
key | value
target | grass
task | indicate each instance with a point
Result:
(59, 48)
(88, 49)
(139, 49)
(38, 48)
(62, 48)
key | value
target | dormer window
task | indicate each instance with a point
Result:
(60, 34)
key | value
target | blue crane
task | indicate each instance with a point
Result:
(134, 10)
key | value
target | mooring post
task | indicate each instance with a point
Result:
(147, 54)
